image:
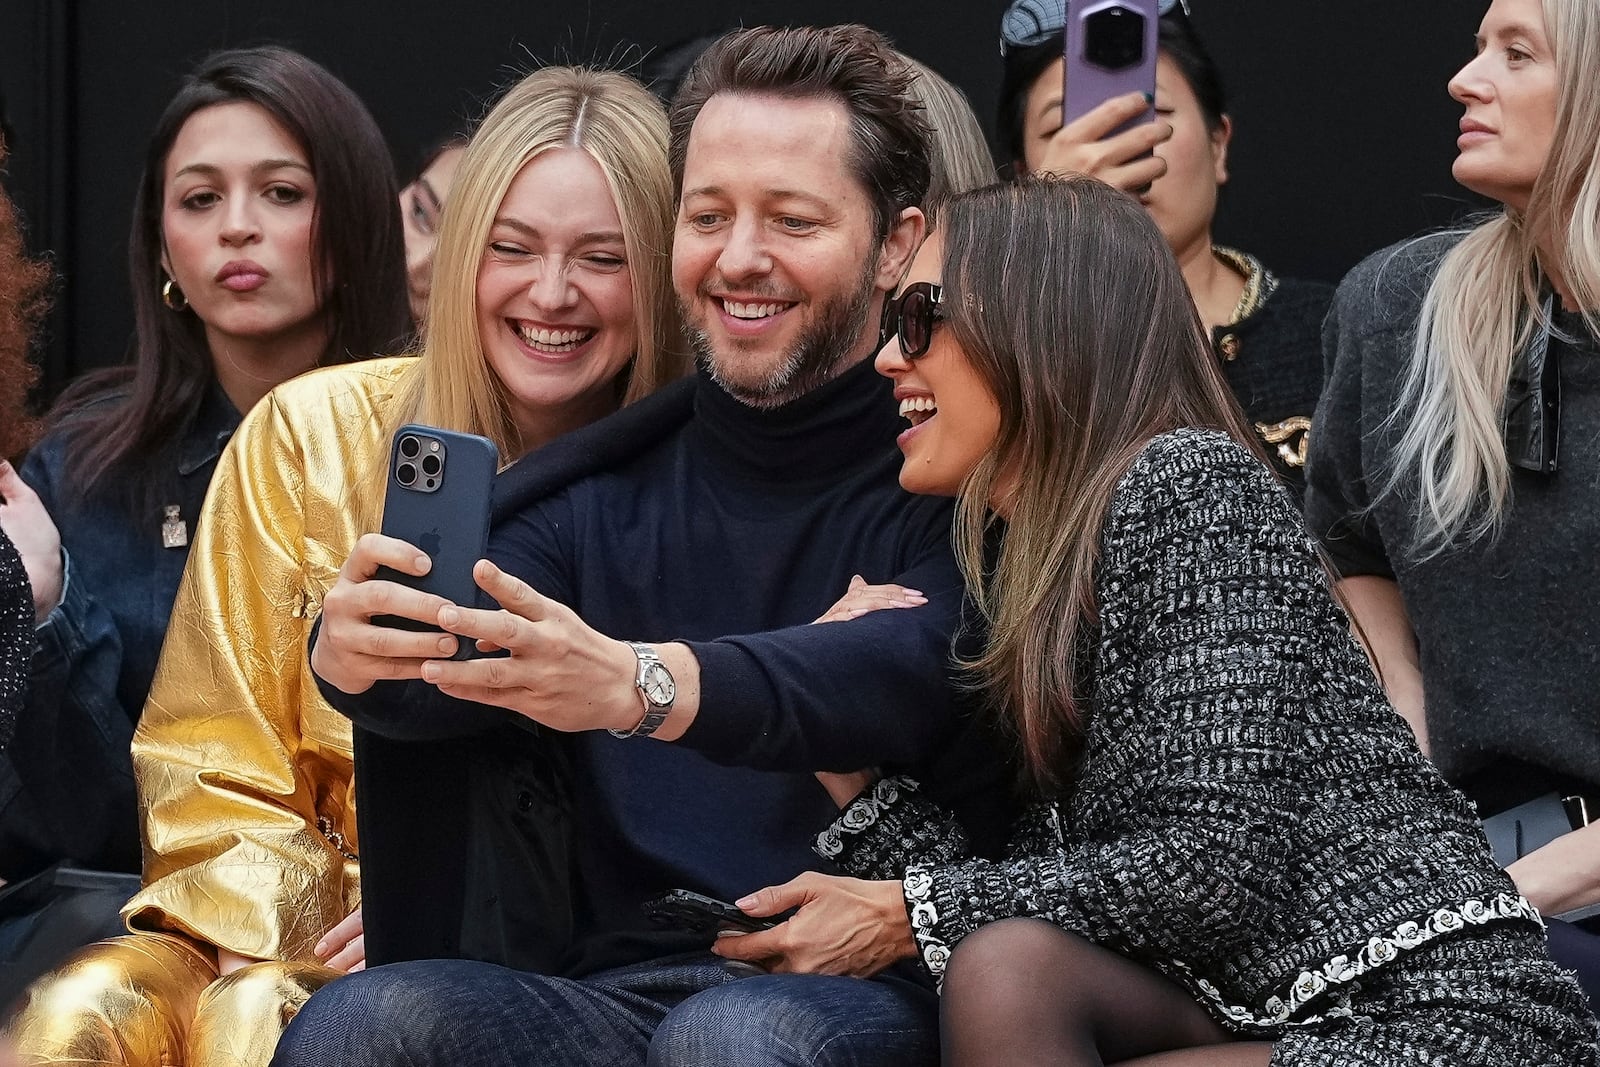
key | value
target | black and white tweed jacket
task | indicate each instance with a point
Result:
(1250, 815)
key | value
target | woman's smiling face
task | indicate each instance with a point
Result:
(954, 416)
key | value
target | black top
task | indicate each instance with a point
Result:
(1272, 359)
(740, 522)
(1509, 625)
(16, 636)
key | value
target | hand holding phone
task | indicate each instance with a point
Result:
(1124, 160)
(696, 913)
(1108, 128)
(356, 644)
(1111, 49)
(438, 499)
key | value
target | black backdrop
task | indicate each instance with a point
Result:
(1344, 132)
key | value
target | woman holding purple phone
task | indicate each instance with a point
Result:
(1265, 330)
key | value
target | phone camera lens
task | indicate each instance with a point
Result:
(431, 465)
(1114, 38)
(410, 446)
(405, 474)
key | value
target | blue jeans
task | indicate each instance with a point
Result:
(686, 1011)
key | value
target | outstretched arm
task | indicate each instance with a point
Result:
(788, 699)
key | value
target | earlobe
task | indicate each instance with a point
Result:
(898, 248)
(1221, 137)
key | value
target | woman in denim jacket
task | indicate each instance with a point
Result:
(266, 241)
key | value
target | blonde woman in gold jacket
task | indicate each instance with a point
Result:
(551, 305)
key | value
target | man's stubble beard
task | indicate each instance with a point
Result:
(817, 357)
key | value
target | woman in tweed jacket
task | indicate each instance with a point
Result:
(1237, 851)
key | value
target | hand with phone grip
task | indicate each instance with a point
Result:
(1124, 160)
(352, 651)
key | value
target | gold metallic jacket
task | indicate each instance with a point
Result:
(244, 771)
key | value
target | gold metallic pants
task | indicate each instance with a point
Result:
(154, 1000)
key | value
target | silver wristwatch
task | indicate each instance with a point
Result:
(656, 689)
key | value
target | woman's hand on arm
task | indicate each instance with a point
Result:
(38, 542)
(1384, 629)
(351, 651)
(844, 926)
(861, 598)
(1563, 875)
(1124, 160)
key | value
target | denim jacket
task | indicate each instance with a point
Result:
(66, 782)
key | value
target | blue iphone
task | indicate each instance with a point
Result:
(438, 498)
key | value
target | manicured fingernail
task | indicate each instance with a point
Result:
(745, 902)
(913, 592)
(430, 672)
(450, 616)
(424, 563)
(1149, 98)
(447, 645)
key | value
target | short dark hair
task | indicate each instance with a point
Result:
(1176, 37)
(357, 262)
(890, 138)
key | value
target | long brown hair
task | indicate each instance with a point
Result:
(1068, 303)
(358, 262)
(24, 284)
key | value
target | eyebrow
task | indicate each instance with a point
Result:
(770, 194)
(591, 237)
(1512, 29)
(265, 166)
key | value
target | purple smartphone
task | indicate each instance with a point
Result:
(1110, 51)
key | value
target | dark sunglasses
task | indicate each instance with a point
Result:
(1028, 23)
(911, 316)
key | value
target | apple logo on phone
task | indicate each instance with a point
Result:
(429, 543)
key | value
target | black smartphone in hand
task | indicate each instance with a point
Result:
(438, 498)
(683, 909)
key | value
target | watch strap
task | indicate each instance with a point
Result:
(654, 714)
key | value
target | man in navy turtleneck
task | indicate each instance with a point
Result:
(769, 481)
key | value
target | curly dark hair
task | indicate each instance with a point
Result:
(24, 293)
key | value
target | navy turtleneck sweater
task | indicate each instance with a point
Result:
(746, 523)
(731, 532)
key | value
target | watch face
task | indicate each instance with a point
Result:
(658, 685)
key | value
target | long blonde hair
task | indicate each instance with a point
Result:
(624, 128)
(960, 158)
(1483, 306)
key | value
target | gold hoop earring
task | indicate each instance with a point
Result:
(173, 297)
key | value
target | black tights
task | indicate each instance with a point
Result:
(1024, 991)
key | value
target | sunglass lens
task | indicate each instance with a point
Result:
(914, 322)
